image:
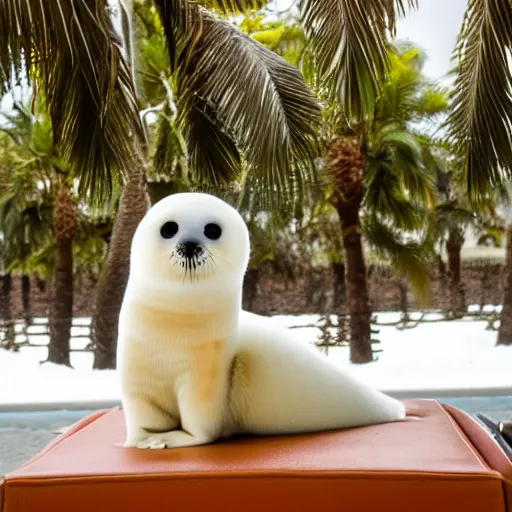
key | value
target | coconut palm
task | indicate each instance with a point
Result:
(44, 231)
(448, 225)
(7, 332)
(219, 160)
(455, 214)
(22, 229)
(376, 165)
(500, 199)
(382, 185)
(382, 172)
(40, 182)
(6, 321)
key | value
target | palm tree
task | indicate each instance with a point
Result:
(40, 173)
(454, 215)
(6, 321)
(61, 314)
(71, 52)
(505, 331)
(45, 233)
(382, 184)
(7, 332)
(220, 162)
(481, 114)
(372, 145)
(22, 229)
(448, 225)
(375, 141)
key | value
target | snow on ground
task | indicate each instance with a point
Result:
(435, 356)
(431, 357)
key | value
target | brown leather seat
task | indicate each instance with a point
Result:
(442, 462)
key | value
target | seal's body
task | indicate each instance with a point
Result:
(193, 366)
(283, 385)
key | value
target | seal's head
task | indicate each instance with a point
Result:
(190, 244)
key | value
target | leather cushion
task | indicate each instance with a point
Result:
(428, 464)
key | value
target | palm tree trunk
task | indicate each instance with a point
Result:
(404, 300)
(250, 288)
(505, 332)
(6, 313)
(338, 270)
(133, 205)
(457, 296)
(356, 285)
(61, 313)
(25, 298)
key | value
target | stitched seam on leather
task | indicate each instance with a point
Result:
(79, 425)
(464, 438)
(317, 475)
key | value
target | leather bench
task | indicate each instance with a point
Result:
(443, 461)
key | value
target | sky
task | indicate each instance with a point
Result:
(434, 27)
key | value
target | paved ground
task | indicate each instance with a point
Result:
(23, 434)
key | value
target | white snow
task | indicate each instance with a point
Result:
(430, 360)
(433, 358)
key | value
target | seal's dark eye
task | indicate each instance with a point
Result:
(169, 229)
(212, 231)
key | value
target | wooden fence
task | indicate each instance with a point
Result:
(334, 329)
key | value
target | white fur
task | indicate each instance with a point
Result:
(195, 368)
(283, 385)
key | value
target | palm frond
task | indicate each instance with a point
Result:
(169, 159)
(451, 214)
(417, 182)
(349, 41)
(384, 196)
(408, 259)
(481, 106)
(69, 51)
(151, 54)
(176, 20)
(398, 97)
(262, 107)
(433, 101)
(234, 6)
(213, 155)
(407, 96)
(434, 159)
(398, 185)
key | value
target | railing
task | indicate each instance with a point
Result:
(334, 329)
(335, 333)
(35, 332)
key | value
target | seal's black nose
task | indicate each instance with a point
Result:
(191, 249)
